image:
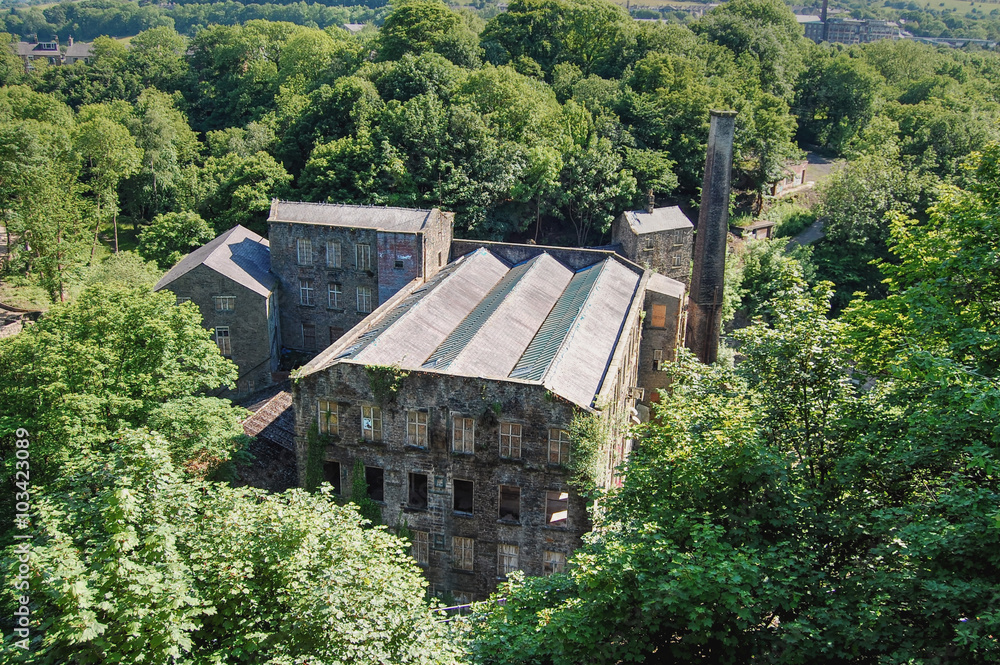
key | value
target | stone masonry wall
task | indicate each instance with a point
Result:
(441, 397)
(666, 252)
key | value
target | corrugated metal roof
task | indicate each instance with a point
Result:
(400, 220)
(239, 254)
(661, 219)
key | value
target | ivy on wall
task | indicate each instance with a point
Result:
(385, 381)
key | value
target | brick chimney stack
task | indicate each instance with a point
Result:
(704, 323)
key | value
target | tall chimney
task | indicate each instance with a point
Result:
(708, 276)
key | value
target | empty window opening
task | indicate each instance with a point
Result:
(374, 477)
(507, 559)
(658, 317)
(510, 440)
(462, 501)
(416, 428)
(308, 336)
(399, 264)
(556, 508)
(510, 503)
(463, 550)
(553, 562)
(331, 474)
(463, 434)
(418, 491)
(420, 548)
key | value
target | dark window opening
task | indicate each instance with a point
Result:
(399, 263)
(335, 333)
(331, 474)
(463, 496)
(375, 476)
(418, 491)
(510, 503)
(308, 336)
(556, 508)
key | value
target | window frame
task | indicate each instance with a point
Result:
(510, 440)
(224, 303)
(454, 496)
(508, 559)
(363, 256)
(306, 292)
(414, 427)
(305, 343)
(365, 305)
(369, 484)
(333, 293)
(420, 546)
(468, 434)
(329, 425)
(500, 503)
(303, 251)
(658, 314)
(553, 562)
(374, 414)
(562, 446)
(463, 553)
(333, 250)
(563, 522)
(224, 341)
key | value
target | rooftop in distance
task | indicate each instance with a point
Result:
(400, 220)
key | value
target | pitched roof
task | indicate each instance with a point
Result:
(80, 50)
(239, 254)
(538, 321)
(661, 219)
(405, 220)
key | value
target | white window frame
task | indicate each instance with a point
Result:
(463, 434)
(332, 253)
(416, 427)
(371, 423)
(463, 553)
(224, 303)
(306, 292)
(507, 559)
(559, 445)
(304, 251)
(510, 440)
(553, 562)
(363, 256)
(224, 341)
(328, 417)
(364, 299)
(420, 547)
(333, 293)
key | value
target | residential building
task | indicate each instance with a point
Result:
(850, 30)
(38, 50)
(337, 263)
(77, 51)
(229, 279)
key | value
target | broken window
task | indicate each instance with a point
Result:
(462, 552)
(463, 434)
(225, 303)
(510, 440)
(556, 508)
(375, 476)
(658, 317)
(329, 419)
(416, 428)
(558, 446)
(553, 562)
(305, 251)
(420, 547)
(417, 491)
(371, 423)
(363, 256)
(510, 503)
(462, 501)
(331, 474)
(507, 556)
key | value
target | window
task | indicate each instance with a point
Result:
(308, 336)
(399, 264)
(305, 251)
(439, 259)
(658, 318)
(331, 474)
(417, 491)
(181, 301)
(507, 556)
(462, 501)
(510, 503)
(371, 423)
(677, 260)
(420, 548)
(225, 303)
(374, 477)
(553, 562)
(333, 296)
(556, 508)
(510, 440)
(306, 292)
(335, 333)
(329, 419)
(463, 434)
(364, 299)
(657, 358)
(416, 428)
(463, 550)
(363, 257)
(558, 446)
(332, 254)
(222, 339)
(649, 243)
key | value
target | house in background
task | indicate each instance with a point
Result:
(229, 279)
(337, 263)
(36, 50)
(77, 51)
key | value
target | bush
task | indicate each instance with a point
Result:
(172, 235)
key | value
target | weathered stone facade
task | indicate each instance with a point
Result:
(660, 240)
(401, 453)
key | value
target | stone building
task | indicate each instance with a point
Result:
(229, 280)
(656, 238)
(455, 396)
(337, 263)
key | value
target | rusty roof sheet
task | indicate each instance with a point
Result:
(400, 220)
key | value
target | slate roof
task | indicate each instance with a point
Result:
(661, 219)
(80, 50)
(404, 220)
(538, 321)
(239, 254)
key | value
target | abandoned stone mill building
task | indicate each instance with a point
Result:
(454, 395)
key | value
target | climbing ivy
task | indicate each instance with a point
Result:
(587, 432)
(385, 381)
(315, 455)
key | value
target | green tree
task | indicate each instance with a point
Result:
(594, 188)
(238, 190)
(421, 26)
(170, 236)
